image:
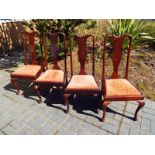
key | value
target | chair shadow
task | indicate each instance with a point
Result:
(9, 70)
(85, 104)
(112, 111)
(82, 104)
(53, 98)
(10, 61)
(79, 104)
(25, 87)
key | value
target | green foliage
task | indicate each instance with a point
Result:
(149, 35)
(129, 26)
(86, 28)
(121, 26)
(90, 24)
(55, 25)
(149, 27)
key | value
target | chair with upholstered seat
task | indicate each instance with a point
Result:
(81, 83)
(116, 88)
(30, 71)
(56, 76)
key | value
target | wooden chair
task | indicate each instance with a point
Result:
(55, 77)
(116, 88)
(30, 71)
(81, 83)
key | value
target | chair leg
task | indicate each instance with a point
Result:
(97, 110)
(104, 106)
(141, 104)
(66, 102)
(36, 88)
(14, 83)
(99, 104)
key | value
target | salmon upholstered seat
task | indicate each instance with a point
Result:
(82, 83)
(51, 77)
(116, 88)
(27, 71)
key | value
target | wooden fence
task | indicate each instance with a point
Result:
(9, 37)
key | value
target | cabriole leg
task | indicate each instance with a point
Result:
(66, 102)
(99, 103)
(36, 88)
(104, 106)
(14, 83)
(141, 104)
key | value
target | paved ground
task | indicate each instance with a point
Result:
(21, 114)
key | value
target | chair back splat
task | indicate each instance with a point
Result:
(28, 38)
(81, 42)
(54, 49)
(116, 54)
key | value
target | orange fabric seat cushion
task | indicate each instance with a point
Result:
(51, 76)
(82, 83)
(120, 87)
(27, 71)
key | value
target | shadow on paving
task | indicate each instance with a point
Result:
(25, 89)
(82, 104)
(13, 60)
(109, 110)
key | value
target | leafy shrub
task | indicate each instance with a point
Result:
(149, 35)
(130, 26)
(55, 25)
